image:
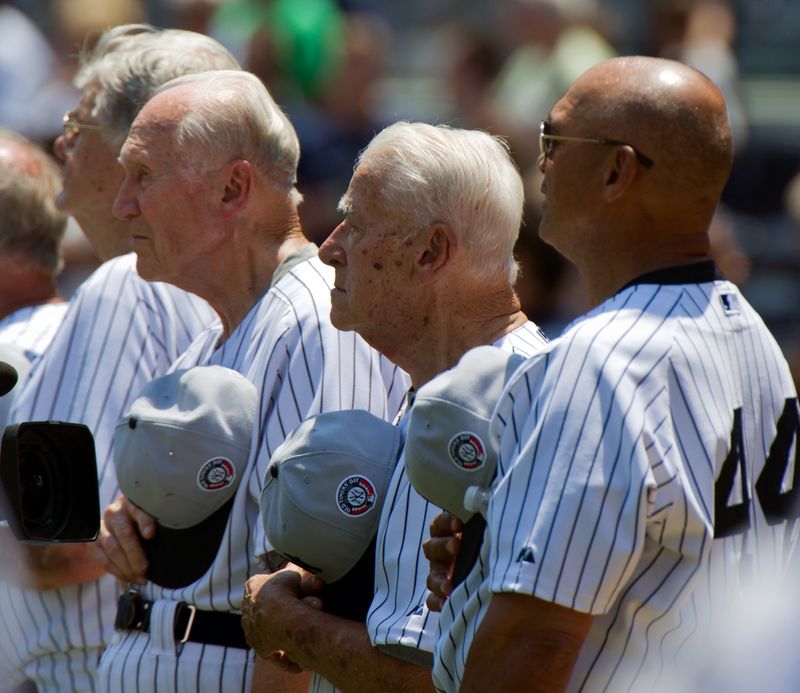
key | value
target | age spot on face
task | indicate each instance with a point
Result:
(377, 265)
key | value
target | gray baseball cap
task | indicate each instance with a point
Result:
(324, 489)
(449, 446)
(180, 453)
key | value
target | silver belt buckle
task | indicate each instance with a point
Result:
(192, 611)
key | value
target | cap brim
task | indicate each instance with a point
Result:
(179, 557)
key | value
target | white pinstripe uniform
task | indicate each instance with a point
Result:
(119, 333)
(30, 330)
(301, 366)
(398, 619)
(617, 469)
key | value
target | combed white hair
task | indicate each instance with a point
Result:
(234, 116)
(129, 62)
(465, 178)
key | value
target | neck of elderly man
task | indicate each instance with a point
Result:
(268, 232)
(458, 312)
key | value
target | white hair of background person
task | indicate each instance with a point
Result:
(131, 61)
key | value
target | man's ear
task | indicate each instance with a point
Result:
(238, 185)
(620, 173)
(438, 249)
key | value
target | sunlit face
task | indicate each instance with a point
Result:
(373, 290)
(91, 178)
(567, 184)
(171, 209)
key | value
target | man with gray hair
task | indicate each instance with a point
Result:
(209, 194)
(424, 272)
(119, 333)
(30, 257)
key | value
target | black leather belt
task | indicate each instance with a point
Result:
(191, 624)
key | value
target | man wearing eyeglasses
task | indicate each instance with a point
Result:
(119, 333)
(646, 457)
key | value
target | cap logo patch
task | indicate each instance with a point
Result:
(216, 474)
(467, 451)
(356, 495)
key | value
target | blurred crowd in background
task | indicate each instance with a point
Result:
(344, 69)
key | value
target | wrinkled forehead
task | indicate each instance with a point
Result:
(154, 126)
(363, 188)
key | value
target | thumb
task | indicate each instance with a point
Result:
(313, 602)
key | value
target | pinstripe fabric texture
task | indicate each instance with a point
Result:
(398, 615)
(119, 333)
(30, 331)
(301, 366)
(626, 445)
(32, 328)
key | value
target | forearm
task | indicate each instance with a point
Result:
(268, 678)
(524, 643)
(545, 668)
(340, 650)
(45, 567)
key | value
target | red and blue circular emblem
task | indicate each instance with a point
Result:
(356, 495)
(467, 451)
(216, 474)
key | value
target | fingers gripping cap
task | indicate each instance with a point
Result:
(180, 453)
(324, 489)
(449, 447)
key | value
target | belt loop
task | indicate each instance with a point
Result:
(163, 616)
(172, 624)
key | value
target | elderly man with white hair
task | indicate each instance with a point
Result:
(119, 332)
(424, 272)
(209, 194)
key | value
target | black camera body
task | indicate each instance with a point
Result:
(48, 478)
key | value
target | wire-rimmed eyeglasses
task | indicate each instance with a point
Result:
(547, 140)
(71, 128)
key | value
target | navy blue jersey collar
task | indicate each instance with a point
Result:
(697, 273)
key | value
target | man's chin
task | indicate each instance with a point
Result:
(545, 232)
(146, 270)
(340, 320)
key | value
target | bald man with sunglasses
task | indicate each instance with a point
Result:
(646, 457)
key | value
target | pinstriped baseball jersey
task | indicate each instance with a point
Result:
(301, 366)
(398, 615)
(29, 330)
(645, 473)
(119, 333)
(32, 328)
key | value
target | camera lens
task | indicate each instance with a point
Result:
(42, 488)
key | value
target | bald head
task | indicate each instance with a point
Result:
(669, 111)
(16, 152)
(30, 224)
